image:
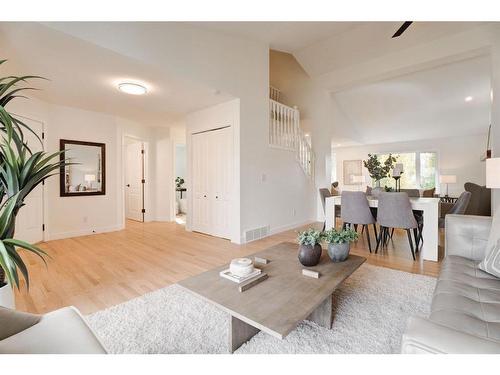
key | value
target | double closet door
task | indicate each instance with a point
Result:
(212, 178)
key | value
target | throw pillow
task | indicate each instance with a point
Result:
(495, 231)
(491, 262)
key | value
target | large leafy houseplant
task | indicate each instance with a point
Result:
(376, 169)
(21, 171)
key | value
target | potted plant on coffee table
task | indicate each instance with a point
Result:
(309, 247)
(21, 171)
(339, 243)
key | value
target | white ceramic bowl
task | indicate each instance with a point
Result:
(241, 267)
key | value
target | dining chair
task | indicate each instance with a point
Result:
(356, 211)
(394, 211)
(459, 207)
(324, 193)
(412, 193)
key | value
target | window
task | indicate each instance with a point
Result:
(420, 170)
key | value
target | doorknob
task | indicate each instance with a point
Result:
(128, 185)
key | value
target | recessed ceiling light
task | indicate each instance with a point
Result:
(132, 88)
(468, 98)
(307, 135)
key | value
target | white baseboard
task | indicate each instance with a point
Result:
(288, 227)
(163, 218)
(83, 232)
(280, 229)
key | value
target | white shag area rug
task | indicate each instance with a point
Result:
(371, 311)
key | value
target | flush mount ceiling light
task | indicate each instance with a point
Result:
(132, 88)
(468, 98)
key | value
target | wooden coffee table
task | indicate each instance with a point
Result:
(276, 305)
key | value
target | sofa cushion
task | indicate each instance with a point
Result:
(14, 321)
(491, 262)
(467, 299)
(58, 332)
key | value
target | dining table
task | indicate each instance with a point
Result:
(429, 206)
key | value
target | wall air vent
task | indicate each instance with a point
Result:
(257, 233)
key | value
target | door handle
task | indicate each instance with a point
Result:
(128, 185)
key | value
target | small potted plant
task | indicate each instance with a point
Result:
(339, 243)
(309, 247)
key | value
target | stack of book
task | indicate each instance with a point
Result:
(227, 274)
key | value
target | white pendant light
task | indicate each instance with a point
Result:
(132, 88)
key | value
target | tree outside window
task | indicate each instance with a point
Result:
(420, 170)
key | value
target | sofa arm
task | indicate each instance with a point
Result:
(467, 235)
(423, 336)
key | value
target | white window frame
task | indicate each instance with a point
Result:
(417, 165)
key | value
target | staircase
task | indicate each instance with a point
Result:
(285, 132)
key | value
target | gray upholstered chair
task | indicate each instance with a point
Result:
(394, 211)
(324, 193)
(63, 331)
(480, 200)
(459, 207)
(412, 193)
(356, 211)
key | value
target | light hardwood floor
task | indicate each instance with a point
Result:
(99, 271)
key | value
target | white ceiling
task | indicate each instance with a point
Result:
(423, 105)
(369, 41)
(85, 75)
(84, 68)
(282, 36)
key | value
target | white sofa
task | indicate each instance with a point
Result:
(63, 331)
(465, 310)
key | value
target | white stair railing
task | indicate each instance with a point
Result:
(274, 93)
(285, 133)
(305, 155)
(283, 126)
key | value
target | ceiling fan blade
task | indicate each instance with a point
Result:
(402, 29)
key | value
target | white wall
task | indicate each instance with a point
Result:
(234, 65)
(180, 161)
(74, 216)
(495, 109)
(316, 117)
(458, 156)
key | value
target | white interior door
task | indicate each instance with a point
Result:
(200, 220)
(221, 182)
(212, 181)
(134, 175)
(29, 222)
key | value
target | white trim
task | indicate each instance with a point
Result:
(280, 229)
(418, 171)
(83, 232)
(287, 227)
(163, 218)
(45, 201)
